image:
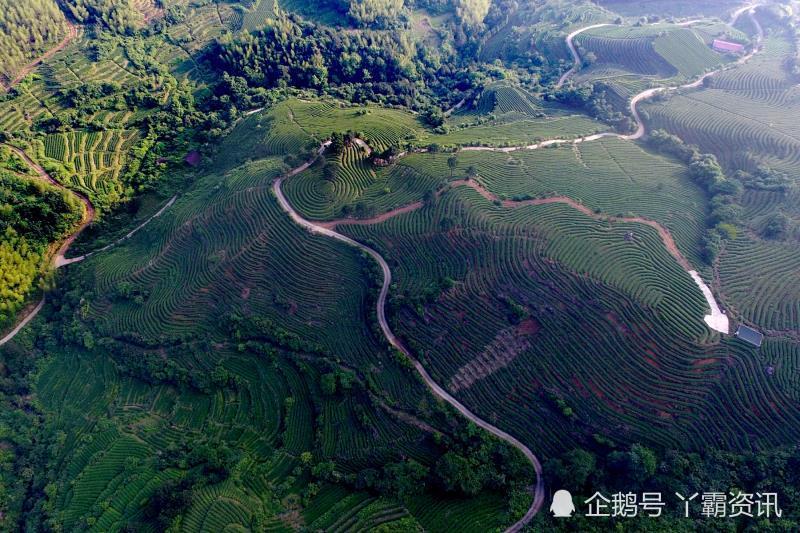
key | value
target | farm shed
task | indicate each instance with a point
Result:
(750, 335)
(725, 46)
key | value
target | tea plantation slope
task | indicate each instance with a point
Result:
(606, 329)
(194, 360)
(610, 176)
(661, 50)
(124, 439)
(745, 118)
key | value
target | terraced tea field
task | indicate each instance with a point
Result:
(662, 50)
(518, 131)
(531, 271)
(746, 118)
(91, 160)
(610, 176)
(257, 14)
(359, 187)
(380, 127)
(179, 284)
(304, 339)
(760, 280)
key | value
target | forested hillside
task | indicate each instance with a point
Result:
(120, 16)
(27, 29)
(32, 215)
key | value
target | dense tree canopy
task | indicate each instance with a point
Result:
(29, 28)
(117, 15)
(364, 65)
(31, 215)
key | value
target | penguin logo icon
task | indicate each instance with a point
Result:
(562, 506)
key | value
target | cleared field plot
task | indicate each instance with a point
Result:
(148, 9)
(629, 357)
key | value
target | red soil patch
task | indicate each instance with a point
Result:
(595, 389)
(529, 326)
(192, 158)
(618, 325)
(580, 387)
(704, 362)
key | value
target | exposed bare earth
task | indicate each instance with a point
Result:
(506, 346)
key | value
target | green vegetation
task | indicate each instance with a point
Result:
(656, 10)
(662, 50)
(32, 215)
(641, 469)
(29, 30)
(220, 368)
(90, 162)
(120, 16)
(533, 257)
(257, 415)
(743, 119)
(359, 66)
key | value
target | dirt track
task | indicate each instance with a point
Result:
(88, 217)
(72, 33)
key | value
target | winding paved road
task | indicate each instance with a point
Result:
(437, 390)
(576, 57)
(58, 259)
(328, 231)
(716, 320)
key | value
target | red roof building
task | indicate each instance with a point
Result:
(725, 46)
